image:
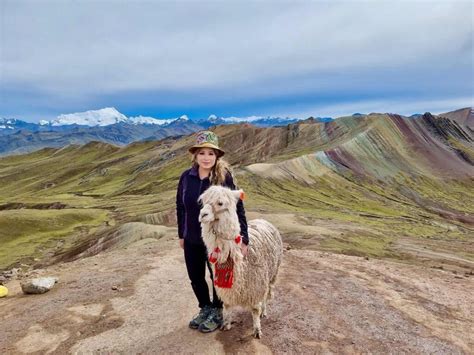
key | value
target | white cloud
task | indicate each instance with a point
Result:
(402, 107)
(85, 47)
(67, 56)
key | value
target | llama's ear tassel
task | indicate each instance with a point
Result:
(242, 195)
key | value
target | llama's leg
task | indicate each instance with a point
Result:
(263, 314)
(270, 288)
(268, 297)
(227, 323)
(256, 313)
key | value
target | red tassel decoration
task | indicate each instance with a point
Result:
(224, 274)
(238, 239)
(213, 255)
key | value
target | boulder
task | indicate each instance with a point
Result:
(38, 285)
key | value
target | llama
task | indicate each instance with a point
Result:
(239, 281)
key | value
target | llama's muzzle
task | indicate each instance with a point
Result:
(206, 215)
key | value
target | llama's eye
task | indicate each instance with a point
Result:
(220, 203)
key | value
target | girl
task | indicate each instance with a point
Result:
(207, 169)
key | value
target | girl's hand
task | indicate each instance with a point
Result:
(181, 243)
(245, 249)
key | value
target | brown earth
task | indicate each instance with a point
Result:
(138, 300)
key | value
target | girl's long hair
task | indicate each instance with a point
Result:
(218, 171)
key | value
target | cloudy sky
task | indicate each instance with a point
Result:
(242, 58)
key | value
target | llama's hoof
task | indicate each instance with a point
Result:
(257, 333)
(263, 315)
(226, 326)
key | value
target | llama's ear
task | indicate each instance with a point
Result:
(239, 194)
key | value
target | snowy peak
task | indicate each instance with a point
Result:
(183, 119)
(103, 117)
(3, 126)
(8, 121)
(263, 121)
(250, 119)
(149, 120)
(108, 116)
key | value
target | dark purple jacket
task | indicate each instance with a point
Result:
(190, 187)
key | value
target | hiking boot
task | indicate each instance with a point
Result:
(201, 317)
(213, 321)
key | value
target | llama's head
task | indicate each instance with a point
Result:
(217, 202)
(219, 221)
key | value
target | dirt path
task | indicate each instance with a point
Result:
(324, 303)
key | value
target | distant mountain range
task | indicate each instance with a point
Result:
(375, 185)
(110, 126)
(109, 116)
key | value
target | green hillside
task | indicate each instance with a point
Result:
(380, 185)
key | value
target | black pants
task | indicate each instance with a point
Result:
(195, 256)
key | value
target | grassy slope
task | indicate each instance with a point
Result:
(25, 233)
(99, 181)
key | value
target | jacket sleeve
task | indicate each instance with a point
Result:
(229, 182)
(180, 207)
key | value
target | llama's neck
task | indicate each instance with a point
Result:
(227, 228)
(221, 234)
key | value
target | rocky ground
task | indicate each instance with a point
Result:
(138, 300)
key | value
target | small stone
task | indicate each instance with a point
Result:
(367, 258)
(288, 247)
(115, 288)
(11, 273)
(303, 287)
(38, 285)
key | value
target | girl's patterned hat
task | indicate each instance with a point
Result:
(207, 139)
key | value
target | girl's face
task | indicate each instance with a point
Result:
(206, 158)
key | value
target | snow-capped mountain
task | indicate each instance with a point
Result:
(248, 119)
(11, 125)
(183, 118)
(212, 120)
(149, 120)
(102, 117)
(7, 123)
(260, 121)
(108, 116)
(263, 121)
